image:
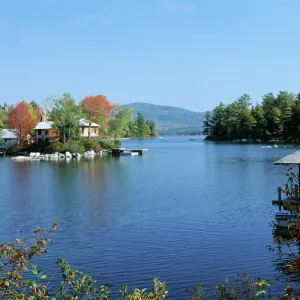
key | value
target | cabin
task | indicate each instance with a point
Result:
(8, 138)
(84, 128)
(42, 130)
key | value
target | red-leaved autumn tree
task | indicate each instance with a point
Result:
(22, 120)
(96, 108)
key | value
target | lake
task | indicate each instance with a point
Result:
(186, 211)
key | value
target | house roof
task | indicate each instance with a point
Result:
(49, 124)
(8, 134)
(293, 158)
(43, 125)
(86, 123)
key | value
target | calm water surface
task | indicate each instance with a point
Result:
(186, 212)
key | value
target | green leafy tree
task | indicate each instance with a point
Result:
(66, 115)
(118, 126)
(132, 129)
(207, 123)
(125, 114)
(115, 109)
(142, 127)
(4, 118)
(152, 128)
(34, 105)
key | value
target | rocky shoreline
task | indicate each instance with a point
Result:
(57, 156)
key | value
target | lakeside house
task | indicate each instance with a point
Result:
(42, 130)
(9, 138)
(84, 128)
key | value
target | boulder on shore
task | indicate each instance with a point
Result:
(76, 155)
(22, 158)
(68, 154)
(35, 155)
(89, 153)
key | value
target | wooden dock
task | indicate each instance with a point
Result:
(285, 203)
(124, 151)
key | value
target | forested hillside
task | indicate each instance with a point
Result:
(170, 119)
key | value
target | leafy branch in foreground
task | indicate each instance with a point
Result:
(159, 292)
(15, 261)
(17, 269)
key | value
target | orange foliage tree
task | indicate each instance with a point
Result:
(96, 108)
(21, 119)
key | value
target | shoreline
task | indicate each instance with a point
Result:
(247, 141)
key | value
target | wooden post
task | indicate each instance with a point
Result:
(279, 197)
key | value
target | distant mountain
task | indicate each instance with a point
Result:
(170, 119)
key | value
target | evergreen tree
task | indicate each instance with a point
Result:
(142, 127)
(278, 117)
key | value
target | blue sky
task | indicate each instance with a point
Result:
(186, 53)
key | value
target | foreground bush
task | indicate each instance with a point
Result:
(17, 263)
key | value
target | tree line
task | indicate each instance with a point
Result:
(276, 118)
(114, 120)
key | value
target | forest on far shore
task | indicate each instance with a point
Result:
(276, 118)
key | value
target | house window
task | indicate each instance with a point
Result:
(39, 132)
(82, 130)
(95, 130)
(46, 132)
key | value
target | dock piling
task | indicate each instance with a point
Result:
(279, 197)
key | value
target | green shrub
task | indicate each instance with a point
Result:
(72, 146)
(91, 145)
(42, 147)
(110, 144)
